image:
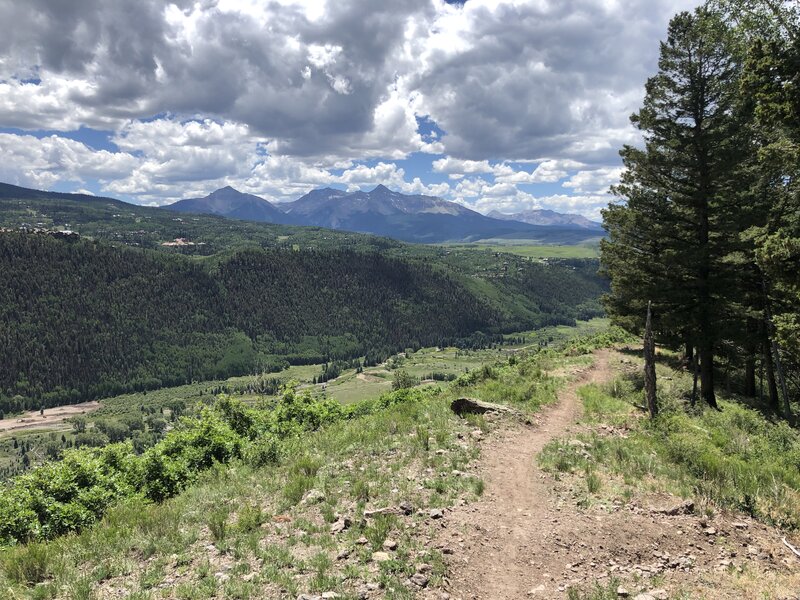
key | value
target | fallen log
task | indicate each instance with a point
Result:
(461, 406)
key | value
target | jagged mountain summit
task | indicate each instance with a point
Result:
(541, 216)
(381, 211)
(414, 218)
(229, 202)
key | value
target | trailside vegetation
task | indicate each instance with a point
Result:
(707, 228)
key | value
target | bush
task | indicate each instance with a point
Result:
(265, 450)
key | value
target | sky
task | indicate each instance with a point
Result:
(501, 105)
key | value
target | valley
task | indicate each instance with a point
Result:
(45, 436)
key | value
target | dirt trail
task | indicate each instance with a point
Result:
(528, 538)
(516, 513)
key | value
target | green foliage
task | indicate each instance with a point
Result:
(735, 457)
(403, 380)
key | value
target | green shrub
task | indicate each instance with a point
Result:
(264, 450)
(28, 564)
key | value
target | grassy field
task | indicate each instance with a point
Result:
(538, 251)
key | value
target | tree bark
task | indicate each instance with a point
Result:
(707, 373)
(772, 386)
(650, 365)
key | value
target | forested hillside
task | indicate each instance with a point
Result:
(709, 230)
(87, 319)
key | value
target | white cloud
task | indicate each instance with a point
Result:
(277, 97)
(598, 180)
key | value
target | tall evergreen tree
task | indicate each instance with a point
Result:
(670, 235)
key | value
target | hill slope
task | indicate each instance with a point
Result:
(88, 319)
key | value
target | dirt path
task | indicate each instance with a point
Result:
(516, 514)
(528, 538)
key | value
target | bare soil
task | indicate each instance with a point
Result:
(52, 418)
(528, 538)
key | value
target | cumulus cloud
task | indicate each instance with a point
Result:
(279, 97)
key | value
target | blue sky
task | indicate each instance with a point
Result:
(496, 104)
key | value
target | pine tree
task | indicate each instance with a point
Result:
(669, 238)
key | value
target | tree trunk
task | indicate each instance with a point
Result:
(688, 355)
(751, 347)
(776, 356)
(772, 386)
(695, 369)
(750, 376)
(650, 366)
(787, 407)
(707, 373)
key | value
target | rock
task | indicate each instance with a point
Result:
(313, 496)
(436, 513)
(539, 589)
(380, 556)
(362, 541)
(419, 579)
(308, 597)
(739, 525)
(710, 531)
(684, 508)
(340, 525)
(462, 406)
(424, 568)
(330, 596)
(222, 576)
(622, 592)
(476, 434)
(390, 545)
(343, 555)
(387, 510)
(406, 507)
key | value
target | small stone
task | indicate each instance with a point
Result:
(340, 525)
(308, 597)
(476, 434)
(406, 507)
(390, 544)
(330, 596)
(313, 496)
(362, 541)
(622, 592)
(419, 579)
(424, 568)
(436, 513)
(380, 556)
(537, 590)
(710, 531)
(343, 555)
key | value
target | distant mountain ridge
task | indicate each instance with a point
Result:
(541, 216)
(381, 211)
(229, 202)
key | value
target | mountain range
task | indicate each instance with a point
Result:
(381, 211)
(541, 216)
